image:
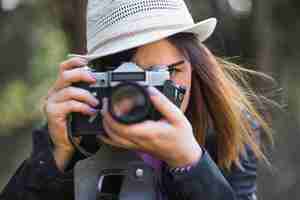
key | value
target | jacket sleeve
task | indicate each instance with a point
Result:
(206, 181)
(243, 179)
(202, 181)
(38, 178)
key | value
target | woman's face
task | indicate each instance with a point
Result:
(163, 52)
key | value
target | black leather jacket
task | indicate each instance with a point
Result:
(39, 179)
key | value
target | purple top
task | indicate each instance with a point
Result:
(150, 160)
(156, 164)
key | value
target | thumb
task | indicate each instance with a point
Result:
(169, 110)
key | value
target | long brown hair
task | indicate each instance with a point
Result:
(218, 100)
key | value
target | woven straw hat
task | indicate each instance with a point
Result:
(117, 25)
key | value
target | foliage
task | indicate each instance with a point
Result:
(20, 97)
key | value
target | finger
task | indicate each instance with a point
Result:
(72, 63)
(170, 111)
(104, 105)
(146, 130)
(67, 107)
(117, 138)
(68, 77)
(74, 93)
(113, 124)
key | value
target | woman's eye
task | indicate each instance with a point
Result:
(174, 71)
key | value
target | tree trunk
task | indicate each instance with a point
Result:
(72, 16)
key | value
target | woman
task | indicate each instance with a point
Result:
(215, 119)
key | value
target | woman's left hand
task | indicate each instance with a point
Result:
(170, 139)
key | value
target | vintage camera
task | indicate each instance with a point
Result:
(128, 99)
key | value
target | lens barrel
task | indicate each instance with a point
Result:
(129, 103)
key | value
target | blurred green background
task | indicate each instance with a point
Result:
(264, 35)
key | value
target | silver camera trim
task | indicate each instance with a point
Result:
(155, 77)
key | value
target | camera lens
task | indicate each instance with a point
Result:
(129, 103)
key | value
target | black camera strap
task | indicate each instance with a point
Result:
(79, 148)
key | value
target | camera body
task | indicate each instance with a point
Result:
(126, 82)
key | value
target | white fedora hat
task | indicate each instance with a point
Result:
(117, 25)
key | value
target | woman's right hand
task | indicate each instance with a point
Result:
(63, 99)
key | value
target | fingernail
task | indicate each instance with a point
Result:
(92, 110)
(105, 105)
(152, 91)
(83, 61)
(95, 102)
(93, 76)
(103, 113)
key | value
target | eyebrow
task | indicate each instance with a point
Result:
(175, 64)
(170, 66)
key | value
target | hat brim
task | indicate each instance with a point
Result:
(202, 29)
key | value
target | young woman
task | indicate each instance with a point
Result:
(208, 148)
